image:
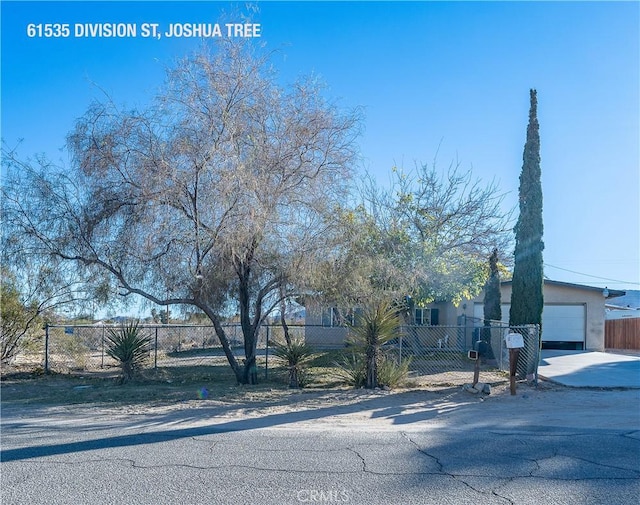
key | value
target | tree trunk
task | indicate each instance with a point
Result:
(294, 382)
(250, 373)
(226, 347)
(249, 329)
(486, 352)
(372, 367)
(127, 371)
(283, 319)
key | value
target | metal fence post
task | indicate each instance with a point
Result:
(534, 330)
(102, 349)
(46, 348)
(266, 357)
(155, 351)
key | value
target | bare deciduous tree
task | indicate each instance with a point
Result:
(214, 196)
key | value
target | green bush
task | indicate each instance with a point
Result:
(73, 349)
(129, 347)
(20, 323)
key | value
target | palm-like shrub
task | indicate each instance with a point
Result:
(377, 325)
(391, 372)
(295, 357)
(352, 369)
(129, 347)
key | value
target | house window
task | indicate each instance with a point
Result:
(334, 317)
(329, 317)
(352, 315)
(426, 317)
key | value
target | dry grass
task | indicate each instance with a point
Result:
(190, 376)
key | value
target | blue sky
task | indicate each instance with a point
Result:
(445, 78)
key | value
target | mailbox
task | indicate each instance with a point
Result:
(514, 341)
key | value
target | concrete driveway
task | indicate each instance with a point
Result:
(590, 369)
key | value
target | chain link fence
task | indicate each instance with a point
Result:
(441, 353)
(435, 354)
(84, 347)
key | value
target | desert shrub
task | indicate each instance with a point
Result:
(375, 326)
(352, 370)
(129, 347)
(296, 358)
(72, 349)
(392, 373)
(20, 323)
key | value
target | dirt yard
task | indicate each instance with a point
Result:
(203, 397)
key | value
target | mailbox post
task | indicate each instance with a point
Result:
(475, 356)
(514, 342)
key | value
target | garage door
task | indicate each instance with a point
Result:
(560, 323)
(563, 323)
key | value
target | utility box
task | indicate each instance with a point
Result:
(514, 341)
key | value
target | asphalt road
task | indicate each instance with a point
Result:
(553, 447)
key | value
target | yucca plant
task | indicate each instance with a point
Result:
(295, 357)
(352, 369)
(392, 373)
(129, 347)
(377, 325)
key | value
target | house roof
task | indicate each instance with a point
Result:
(612, 293)
(629, 301)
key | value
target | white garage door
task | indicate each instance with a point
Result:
(560, 323)
(563, 323)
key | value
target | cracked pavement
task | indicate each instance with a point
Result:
(550, 447)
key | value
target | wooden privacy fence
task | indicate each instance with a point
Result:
(622, 333)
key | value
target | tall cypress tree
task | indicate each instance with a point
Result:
(492, 295)
(527, 295)
(492, 303)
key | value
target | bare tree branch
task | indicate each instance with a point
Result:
(209, 197)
